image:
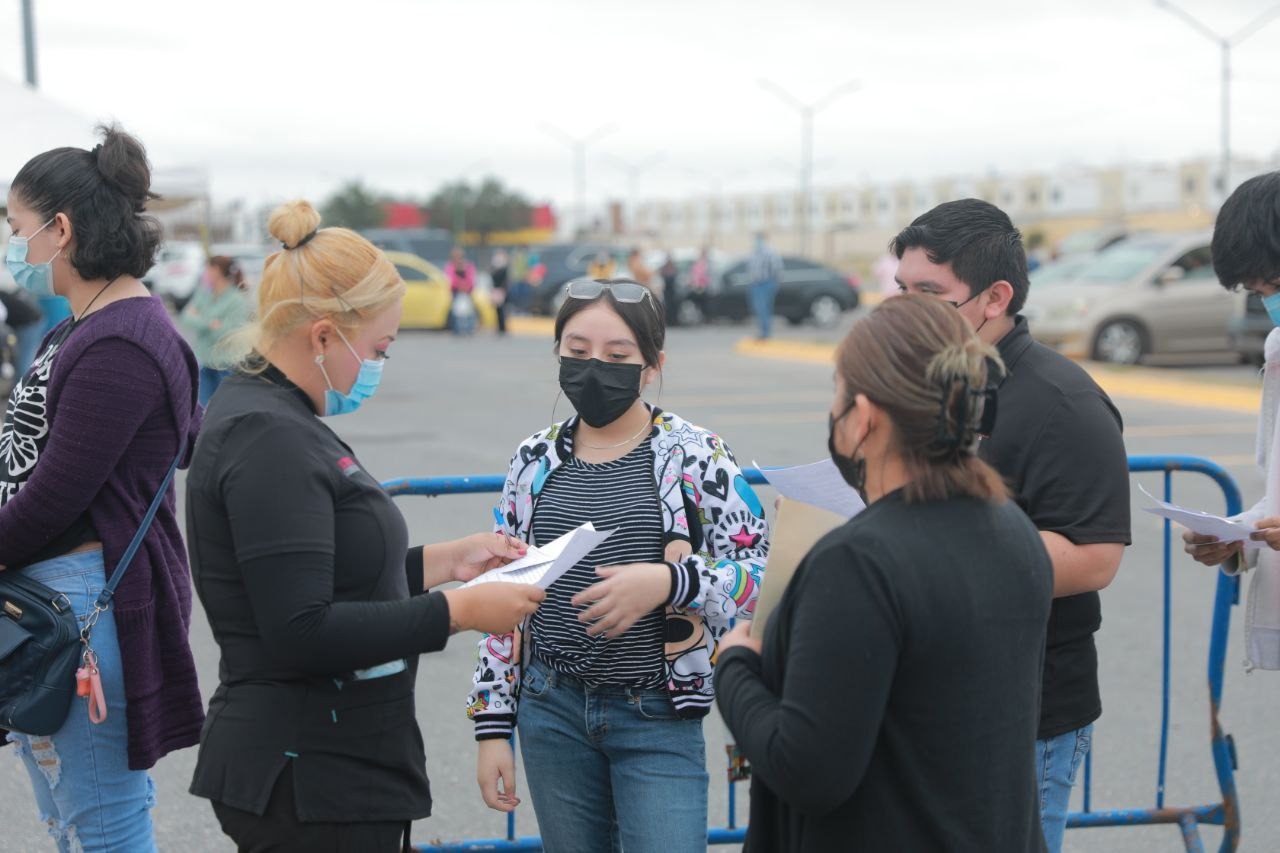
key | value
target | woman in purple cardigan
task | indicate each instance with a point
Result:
(88, 436)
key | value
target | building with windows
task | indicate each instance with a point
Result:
(849, 225)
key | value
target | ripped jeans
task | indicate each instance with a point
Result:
(85, 792)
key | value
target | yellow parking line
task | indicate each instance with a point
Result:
(783, 350)
(1190, 430)
(532, 327)
(1134, 383)
(1162, 388)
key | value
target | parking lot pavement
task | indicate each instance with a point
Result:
(459, 406)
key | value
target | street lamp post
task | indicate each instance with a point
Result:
(459, 213)
(715, 181)
(1225, 43)
(807, 111)
(633, 170)
(29, 40)
(578, 145)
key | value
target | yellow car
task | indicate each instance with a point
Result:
(427, 297)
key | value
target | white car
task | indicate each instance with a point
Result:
(177, 272)
(250, 256)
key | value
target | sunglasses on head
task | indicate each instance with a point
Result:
(623, 291)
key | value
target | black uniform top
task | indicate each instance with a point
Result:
(1057, 441)
(894, 706)
(299, 558)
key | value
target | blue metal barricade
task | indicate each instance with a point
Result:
(1225, 813)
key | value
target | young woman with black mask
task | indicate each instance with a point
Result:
(615, 671)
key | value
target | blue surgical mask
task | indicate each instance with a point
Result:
(1272, 304)
(36, 278)
(338, 403)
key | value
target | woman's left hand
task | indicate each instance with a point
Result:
(739, 636)
(627, 593)
(477, 554)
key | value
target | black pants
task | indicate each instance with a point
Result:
(278, 830)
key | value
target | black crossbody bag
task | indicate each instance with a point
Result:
(42, 646)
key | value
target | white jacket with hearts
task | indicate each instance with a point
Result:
(705, 501)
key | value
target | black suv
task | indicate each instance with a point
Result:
(806, 291)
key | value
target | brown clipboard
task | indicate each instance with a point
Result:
(796, 529)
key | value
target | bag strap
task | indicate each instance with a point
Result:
(104, 599)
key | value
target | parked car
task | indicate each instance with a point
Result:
(807, 291)
(565, 262)
(1065, 268)
(692, 304)
(177, 273)
(427, 296)
(249, 256)
(1249, 329)
(430, 244)
(1148, 294)
(1091, 240)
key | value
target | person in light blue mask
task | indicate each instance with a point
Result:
(302, 563)
(37, 279)
(1246, 255)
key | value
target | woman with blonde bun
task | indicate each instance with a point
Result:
(893, 701)
(302, 563)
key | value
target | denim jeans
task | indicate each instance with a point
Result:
(763, 294)
(84, 790)
(1057, 764)
(611, 768)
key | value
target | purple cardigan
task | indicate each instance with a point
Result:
(121, 394)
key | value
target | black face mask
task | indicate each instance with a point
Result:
(600, 392)
(852, 469)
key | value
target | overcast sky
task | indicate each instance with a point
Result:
(291, 98)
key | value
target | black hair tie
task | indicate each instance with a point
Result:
(304, 241)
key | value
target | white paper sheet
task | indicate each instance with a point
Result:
(542, 566)
(1199, 522)
(819, 484)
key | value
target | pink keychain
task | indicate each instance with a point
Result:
(89, 685)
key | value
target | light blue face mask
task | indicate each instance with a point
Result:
(36, 278)
(338, 403)
(1272, 304)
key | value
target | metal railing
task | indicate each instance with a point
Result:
(1225, 813)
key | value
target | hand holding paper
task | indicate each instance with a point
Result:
(1203, 523)
(542, 566)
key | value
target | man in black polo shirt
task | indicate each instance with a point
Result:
(1057, 440)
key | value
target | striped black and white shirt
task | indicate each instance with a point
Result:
(621, 496)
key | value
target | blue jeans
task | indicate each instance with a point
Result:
(763, 294)
(84, 790)
(1058, 762)
(611, 768)
(210, 379)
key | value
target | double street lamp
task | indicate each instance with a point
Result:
(1225, 44)
(807, 111)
